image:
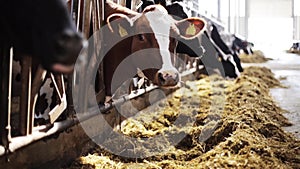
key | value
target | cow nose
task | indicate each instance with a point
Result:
(70, 34)
(168, 78)
(69, 45)
(69, 37)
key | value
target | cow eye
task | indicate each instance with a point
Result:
(141, 37)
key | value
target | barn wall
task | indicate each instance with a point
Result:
(270, 8)
(296, 19)
(270, 23)
(296, 28)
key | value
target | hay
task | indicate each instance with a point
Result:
(226, 124)
(256, 57)
(293, 51)
(263, 75)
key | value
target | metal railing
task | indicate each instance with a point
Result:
(87, 15)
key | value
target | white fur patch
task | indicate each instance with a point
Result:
(160, 23)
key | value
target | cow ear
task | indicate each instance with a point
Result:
(191, 27)
(120, 24)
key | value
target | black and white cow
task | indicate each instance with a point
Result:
(295, 47)
(213, 59)
(41, 29)
(217, 54)
(215, 36)
(239, 44)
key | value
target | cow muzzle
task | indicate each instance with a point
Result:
(168, 78)
(68, 47)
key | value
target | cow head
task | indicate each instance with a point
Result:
(59, 38)
(155, 29)
(44, 30)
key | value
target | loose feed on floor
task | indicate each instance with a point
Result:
(256, 57)
(221, 124)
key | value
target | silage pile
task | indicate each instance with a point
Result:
(256, 57)
(224, 124)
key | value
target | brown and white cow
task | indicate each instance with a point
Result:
(147, 41)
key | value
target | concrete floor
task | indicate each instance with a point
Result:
(286, 67)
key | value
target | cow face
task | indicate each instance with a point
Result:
(155, 29)
(44, 30)
(63, 41)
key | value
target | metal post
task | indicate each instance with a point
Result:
(246, 19)
(229, 16)
(128, 4)
(40, 75)
(219, 10)
(5, 87)
(86, 20)
(25, 114)
(294, 20)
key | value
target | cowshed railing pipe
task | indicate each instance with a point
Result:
(5, 98)
(26, 118)
(46, 130)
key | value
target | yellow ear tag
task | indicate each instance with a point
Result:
(122, 31)
(220, 59)
(191, 30)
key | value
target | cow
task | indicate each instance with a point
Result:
(213, 61)
(215, 35)
(41, 29)
(45, 102)
(47, 97)
(176, 10)
(214, 47)
(239, 44)
(152, 36)
(295, 47)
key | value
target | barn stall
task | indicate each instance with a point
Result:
(210, 122)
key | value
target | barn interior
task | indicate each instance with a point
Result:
(212, 118)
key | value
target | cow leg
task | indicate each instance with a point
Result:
(245, 50)
(251, 51)
(238, 62)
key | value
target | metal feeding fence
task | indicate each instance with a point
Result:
(17, 129)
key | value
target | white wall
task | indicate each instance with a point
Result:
(270, 8)
(270, 23)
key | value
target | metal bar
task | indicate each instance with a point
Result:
(58, 81)
(8, 127)
(78, 13)
(70, 105)
(219, 10)
(229, 16)
(38, 133)
(58, 109)
(86, 21)
(56, 85)
(40, 75)
(128, 4)
(5, 71)
(247, 19)
(25, 129)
